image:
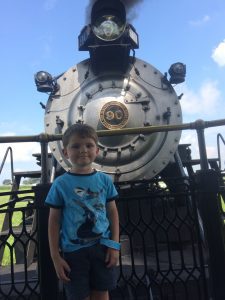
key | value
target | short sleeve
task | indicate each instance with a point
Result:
(112, 193)
(54, 197)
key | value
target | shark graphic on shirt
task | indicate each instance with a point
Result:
(85, 231)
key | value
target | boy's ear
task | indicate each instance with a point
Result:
(65, 153)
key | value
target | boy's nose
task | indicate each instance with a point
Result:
(83, 149)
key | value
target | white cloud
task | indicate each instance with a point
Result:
(15, 128)
(8, 134)
(211, 143)
(204, 101)
(22, 158)
(190, 137)
(200, 22)
(218, 54)
(22, 152)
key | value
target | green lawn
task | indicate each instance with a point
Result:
(16, 220)
(4, 199)
(223, 204)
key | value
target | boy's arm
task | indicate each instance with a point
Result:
(60, 264)
(113, 217)
(112, 255)
(53, 231)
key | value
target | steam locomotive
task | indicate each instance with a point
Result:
(112, 90)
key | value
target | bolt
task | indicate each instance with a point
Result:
(141, 136)
(105, 151)
(100, 87)
(89, 96)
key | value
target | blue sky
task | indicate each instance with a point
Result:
(42, 35)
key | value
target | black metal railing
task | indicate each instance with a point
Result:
(162, 254)
(19, 277)
(171, 230)
(10, 153)
(220, 138)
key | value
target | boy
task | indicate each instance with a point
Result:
(83, 220)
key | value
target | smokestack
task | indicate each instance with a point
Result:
(130, 6)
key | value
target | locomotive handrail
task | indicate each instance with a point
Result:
(44, 138)
(8, 150)
(219, 137)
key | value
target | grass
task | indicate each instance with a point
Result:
(16, 221)
(223, 205)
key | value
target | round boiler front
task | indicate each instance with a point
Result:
(138, 98)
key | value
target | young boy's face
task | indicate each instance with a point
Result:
(81, 151)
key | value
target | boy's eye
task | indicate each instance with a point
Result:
(90, 145)
(75, 146)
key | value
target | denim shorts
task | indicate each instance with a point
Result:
(88, 272)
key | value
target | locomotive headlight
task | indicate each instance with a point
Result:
(44, 82)
(108, 28)
(177, 72)
(108, 19)
(42, 77)
(108, 37)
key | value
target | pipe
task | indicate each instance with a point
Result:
(198, 124)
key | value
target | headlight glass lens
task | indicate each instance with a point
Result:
(43, 76)
(108, 28)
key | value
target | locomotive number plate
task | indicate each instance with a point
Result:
(114, 115)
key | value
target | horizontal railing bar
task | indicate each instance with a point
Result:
(43, 137)
(14, 193)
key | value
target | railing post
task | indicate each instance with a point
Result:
(47, 276)
(202, 149)
(44, 161)
(209, 206)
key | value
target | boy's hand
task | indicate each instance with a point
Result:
(112, 257)
(62, 269)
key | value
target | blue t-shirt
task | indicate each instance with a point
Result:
(82, 198)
